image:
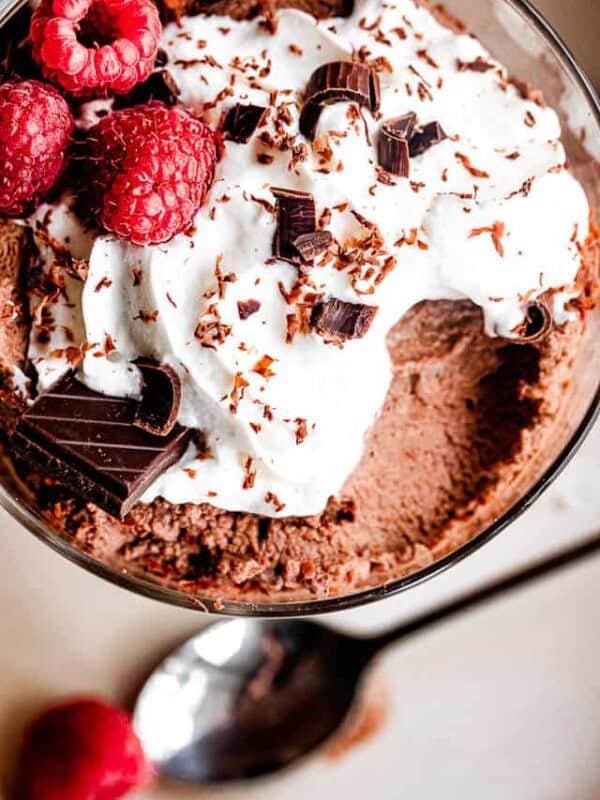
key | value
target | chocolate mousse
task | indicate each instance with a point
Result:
(351, 360)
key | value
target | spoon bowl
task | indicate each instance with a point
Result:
(244, 698)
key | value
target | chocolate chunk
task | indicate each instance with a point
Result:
(393, 152)
(337, 82)
(88, 442)
(247, 307)
(310, 245)
(162, 58)
(537, 324)
(241, 122)
(161, 398)
(295, 216)
(402, 126)
(161, 85)
(340, 320)
(425, 137)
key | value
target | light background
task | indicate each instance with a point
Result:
(503, 703)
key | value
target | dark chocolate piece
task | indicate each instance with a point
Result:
(162, 58)
(295, 216)
(161, 85)
(393, 152)
(241, 122)
(402, 126)
(337, 82)
(247, 307)
(537, 324)
(161, 398)
(340, 320)
(424, 137)
(310, 245)
(88, 442)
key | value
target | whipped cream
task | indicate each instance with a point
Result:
(490, 214)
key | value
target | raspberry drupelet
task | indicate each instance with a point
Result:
(95, 47)
(36, 127)
(147, 171)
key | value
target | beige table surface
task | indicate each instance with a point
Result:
(504, 703)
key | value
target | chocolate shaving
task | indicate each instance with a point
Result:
(295, 216)
(158, 409)
(88, 442)
(424, 137)
(310, 245)
(340, 320)
(338, 81)
(241, 122)
(537, 324)
(478, 65)
(247, 307)
(393, 152)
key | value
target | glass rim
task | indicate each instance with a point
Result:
(304, 608)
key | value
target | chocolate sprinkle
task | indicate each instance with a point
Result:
(87, 441)
(537, 324)
(340, 320)
(338, 81)
(310, 245)
(161, 398)
(241, 122)
(295, 217)
(425, 137)
(393, 153)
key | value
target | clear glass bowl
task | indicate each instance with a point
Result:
(518, 36)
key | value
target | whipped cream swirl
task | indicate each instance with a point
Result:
(490, 214)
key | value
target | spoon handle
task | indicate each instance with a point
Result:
(489, 591)
(8, 8)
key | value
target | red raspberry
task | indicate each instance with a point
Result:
(36, 126)
(82, 750)
(94, 47)
(148, 171)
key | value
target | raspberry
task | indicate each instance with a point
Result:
(36, 126)
(82, 750)
(94, 47)
(148, 170)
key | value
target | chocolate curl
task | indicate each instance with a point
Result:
(537, 324)
(393, 152)
(336, 82)
(295, 216)
(159, 407)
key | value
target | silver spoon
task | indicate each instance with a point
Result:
(247, 697)
(8, 8)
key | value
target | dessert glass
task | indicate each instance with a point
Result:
(518, 36)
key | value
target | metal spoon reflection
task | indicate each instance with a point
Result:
(246, 697)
